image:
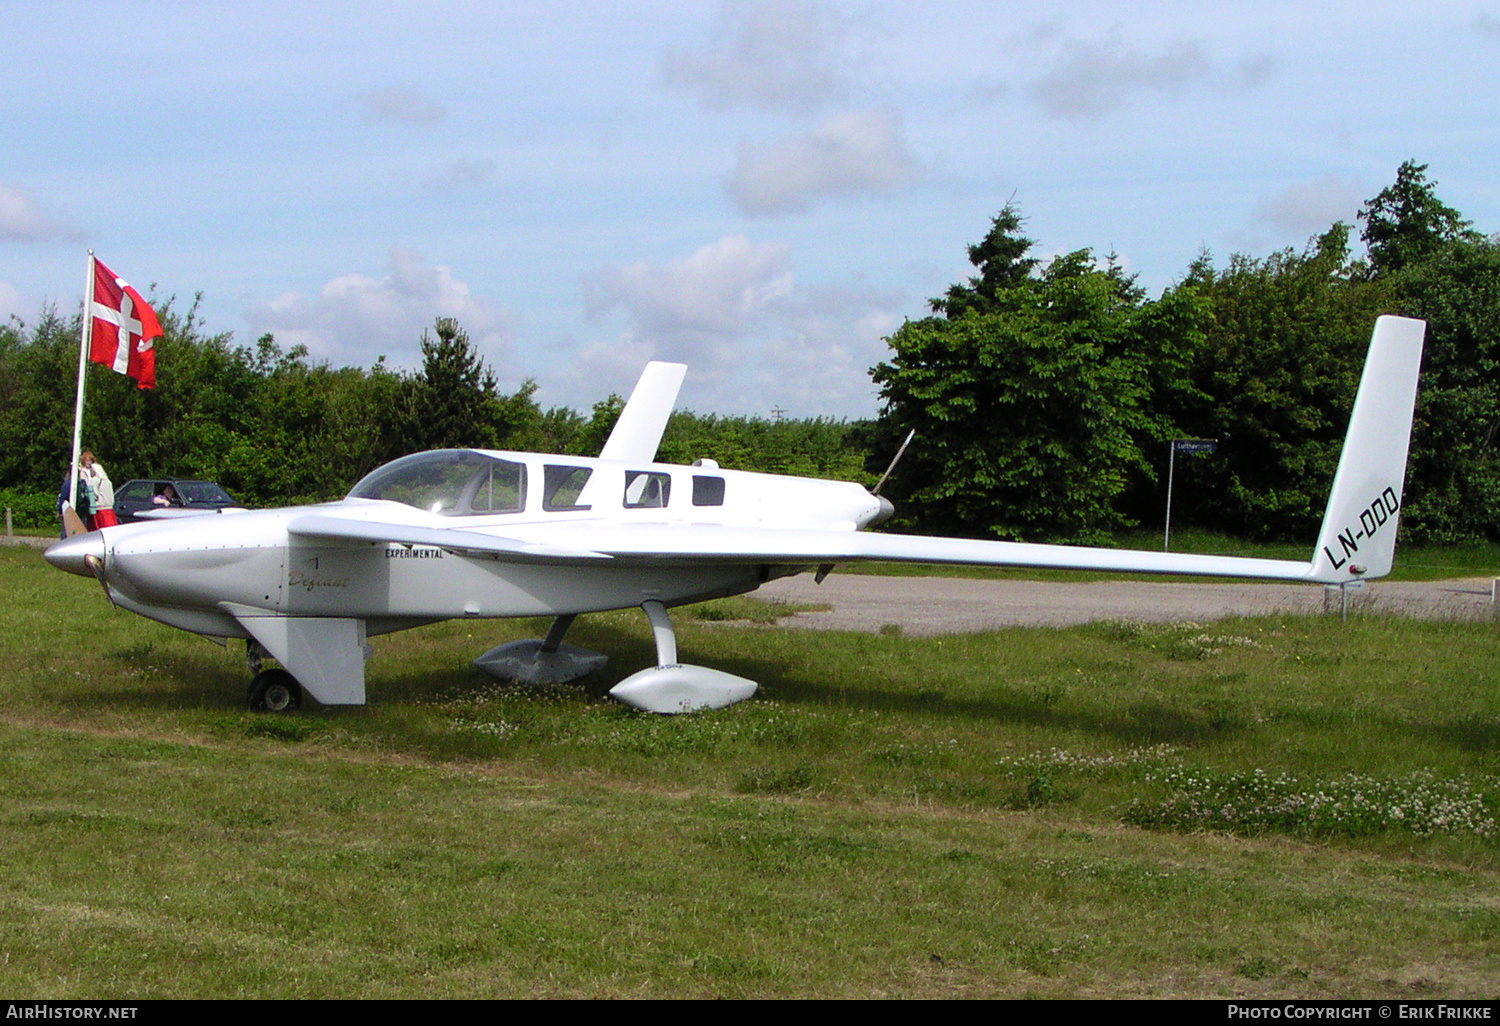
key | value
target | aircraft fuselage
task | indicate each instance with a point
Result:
(190, 572)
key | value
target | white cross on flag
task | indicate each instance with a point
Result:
(123, 327)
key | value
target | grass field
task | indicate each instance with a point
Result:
(1269, 807)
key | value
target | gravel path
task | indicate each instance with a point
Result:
(955, 605)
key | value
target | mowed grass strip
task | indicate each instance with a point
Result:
(890, 816)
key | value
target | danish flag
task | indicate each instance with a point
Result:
(123, 327)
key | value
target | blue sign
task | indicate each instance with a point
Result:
(1194, 444)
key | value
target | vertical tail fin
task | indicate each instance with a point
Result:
(638, 431)
(1358, 539)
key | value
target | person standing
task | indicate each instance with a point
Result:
(63, 496)
(101, 492)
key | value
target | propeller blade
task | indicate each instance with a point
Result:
(96, 564)
(899, 453)
(72, 522)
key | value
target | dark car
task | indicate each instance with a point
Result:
(142, 494)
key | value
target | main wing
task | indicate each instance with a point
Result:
(662, 543)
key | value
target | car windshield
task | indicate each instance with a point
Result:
(203, 491)
(452, 482)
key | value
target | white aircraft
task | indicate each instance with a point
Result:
(476, 534)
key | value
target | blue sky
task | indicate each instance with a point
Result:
(762, 189)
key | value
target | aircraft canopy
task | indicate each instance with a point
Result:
(451, 482)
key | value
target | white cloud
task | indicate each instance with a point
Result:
(10, 303)
(819, 363)
(753, 338)
(847, 154)
(777, 55)
(1091, 78)
(1311, 206)
(401, 107)
(1094, 78)
(695, 308)
(1252, 71)
(23, 220)
(355, 318)
(460, 174)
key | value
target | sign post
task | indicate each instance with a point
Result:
(1184, 445)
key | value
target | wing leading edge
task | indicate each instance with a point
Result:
(715, 544)
(455, 540)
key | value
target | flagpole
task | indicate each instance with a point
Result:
(86, 338)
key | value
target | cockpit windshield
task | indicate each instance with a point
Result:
(452, 482)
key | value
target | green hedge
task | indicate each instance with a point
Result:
(29, 509)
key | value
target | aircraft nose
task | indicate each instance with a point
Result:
(887, 510)
(72, 554)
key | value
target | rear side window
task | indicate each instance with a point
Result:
(708, 491)
(135, 491)
(647, 490)
(562, 487)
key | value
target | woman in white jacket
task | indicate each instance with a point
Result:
(101, 492)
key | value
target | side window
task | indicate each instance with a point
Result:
(135, 491)
(708, 491)
(562, 486)
(645, 490)
(501, 488)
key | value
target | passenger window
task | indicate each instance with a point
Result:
(562, 486)
(501, 489)
(645, 490)
(708, 491)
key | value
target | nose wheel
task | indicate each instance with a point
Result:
(275, 691)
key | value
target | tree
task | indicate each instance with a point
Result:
(39, 368)
(449, 402)
(1284, 340)
(592, 435)
(1453, 490)
(1406, 222)
(455, 401)
(1002, 262)
(1030, 397)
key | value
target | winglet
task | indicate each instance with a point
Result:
(1358, 539)
(638, 432)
